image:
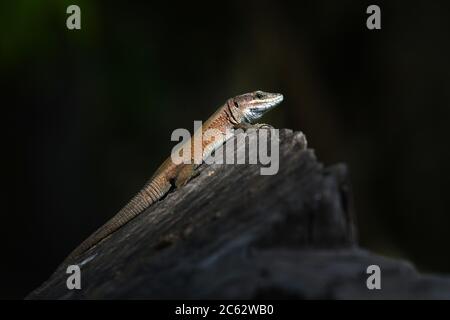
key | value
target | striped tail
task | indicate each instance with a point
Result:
(148, 195)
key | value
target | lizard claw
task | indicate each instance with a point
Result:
(262, 126)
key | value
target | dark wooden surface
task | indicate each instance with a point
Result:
(233, 233)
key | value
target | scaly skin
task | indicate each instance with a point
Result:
(237, 112)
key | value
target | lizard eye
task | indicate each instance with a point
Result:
(259, 95)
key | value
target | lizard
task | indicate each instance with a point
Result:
(241, 111)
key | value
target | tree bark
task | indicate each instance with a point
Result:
(234, 233)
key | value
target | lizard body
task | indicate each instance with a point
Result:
(238, 112)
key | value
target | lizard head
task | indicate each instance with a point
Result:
(255, 104)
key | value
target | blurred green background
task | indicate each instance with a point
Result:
(89, 113)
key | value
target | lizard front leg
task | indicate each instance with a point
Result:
(245, 126)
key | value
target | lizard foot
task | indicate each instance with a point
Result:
(262, 126)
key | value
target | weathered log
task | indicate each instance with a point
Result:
(233, 233)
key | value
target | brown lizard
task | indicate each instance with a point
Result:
(239, 112)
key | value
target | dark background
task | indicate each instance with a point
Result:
(88, 114)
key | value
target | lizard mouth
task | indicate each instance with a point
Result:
(275, 100)
(261, 107)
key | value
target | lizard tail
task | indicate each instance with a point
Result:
(148, 195)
